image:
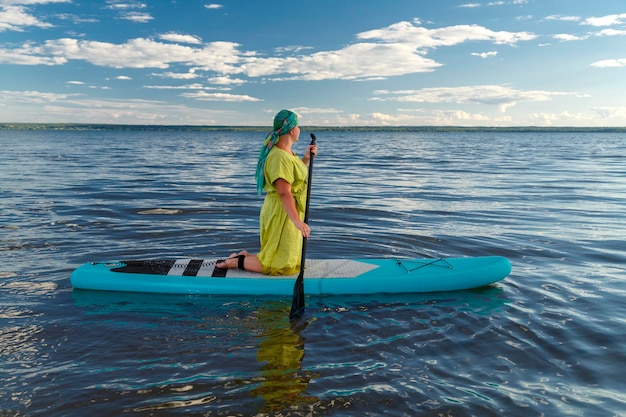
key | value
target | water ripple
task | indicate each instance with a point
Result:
(548, 340)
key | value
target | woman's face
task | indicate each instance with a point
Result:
(296, 132)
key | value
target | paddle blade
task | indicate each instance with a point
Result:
(297, 303)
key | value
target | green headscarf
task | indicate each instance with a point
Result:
(284, 121)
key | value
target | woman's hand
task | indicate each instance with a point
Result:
(311, 149)
(304, 228)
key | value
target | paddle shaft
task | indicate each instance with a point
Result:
(297, 303)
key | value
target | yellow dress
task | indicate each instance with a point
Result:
(281, 241)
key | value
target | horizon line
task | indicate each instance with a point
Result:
(122, 126)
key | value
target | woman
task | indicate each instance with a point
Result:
(283, 176)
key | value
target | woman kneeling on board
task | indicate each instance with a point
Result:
(283, 176)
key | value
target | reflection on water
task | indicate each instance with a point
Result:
(209, 351)
(264, 350)
(280, 351)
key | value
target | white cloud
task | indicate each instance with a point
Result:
(32, 97)
(389, 119)
(563, 18)
(176, 87)
(195, 86)
(391, 51)
(213, 71)
(423, 38)
(564, 37)
(503, 97)
(55, 108)
(505, 3)
(503, 107)
(137, 17)
(291, 49)
(417, 118)
(177, 37)
(485, 54)
(136, 53)
(611, 112)
(24, 56)
(127, 11)
(610, 32)
(564, 118)
(610, 63)
(358, 61)
(16, 18)
(30, 2)
(462, 115)
(127, 112)
(178, 75)
(395, 50)
(315, 110)
(225, 80)
(203, 95)
(75, 18)
(141, 53)
(609, 20)
(118, 5)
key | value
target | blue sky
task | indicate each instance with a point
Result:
(339, 62)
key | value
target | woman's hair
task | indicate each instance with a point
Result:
(284, 121)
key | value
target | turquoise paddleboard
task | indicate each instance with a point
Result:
(322, 276)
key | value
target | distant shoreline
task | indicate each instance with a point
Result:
(122, 127)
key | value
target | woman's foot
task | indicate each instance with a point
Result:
(242, 260)
(235, 260)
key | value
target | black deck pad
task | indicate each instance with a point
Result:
(193, 267)
(219, 272)
(153, 267)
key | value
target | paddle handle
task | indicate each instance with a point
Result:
(308, 186)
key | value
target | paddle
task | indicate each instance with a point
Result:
(297, 303)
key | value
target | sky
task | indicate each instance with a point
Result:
(334, 62)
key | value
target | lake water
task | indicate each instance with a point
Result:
(546, 341)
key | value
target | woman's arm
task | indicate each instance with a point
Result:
(289, 204)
